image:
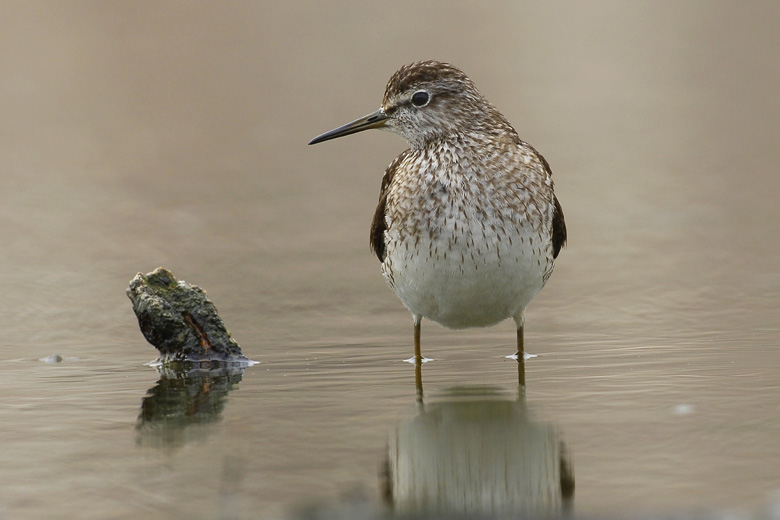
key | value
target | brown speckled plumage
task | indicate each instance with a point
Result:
(468, 226)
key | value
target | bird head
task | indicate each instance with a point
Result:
(424, 102)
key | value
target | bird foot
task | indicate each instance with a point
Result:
(414, 360)
(526, 356)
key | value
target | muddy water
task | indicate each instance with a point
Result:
(142, 134)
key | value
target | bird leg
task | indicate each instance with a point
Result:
(418, 360)
(417, 354)
(520, 358)
(521, 371)
(418, 380)
(520, 322)
(520, 343)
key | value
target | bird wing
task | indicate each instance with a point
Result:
(558, 228)
(378, 225)
(558, 222)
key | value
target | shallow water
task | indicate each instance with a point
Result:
(160, 134)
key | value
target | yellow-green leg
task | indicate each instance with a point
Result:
(417, 354)
(520, 358)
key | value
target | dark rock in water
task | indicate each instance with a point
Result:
(179, 319)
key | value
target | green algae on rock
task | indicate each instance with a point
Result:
(179, 319)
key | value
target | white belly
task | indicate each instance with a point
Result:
(470, 286)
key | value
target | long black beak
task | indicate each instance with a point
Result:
(376, 119)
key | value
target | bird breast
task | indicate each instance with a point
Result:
(467, 235)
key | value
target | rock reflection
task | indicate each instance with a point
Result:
(477, 452)
(187, 398)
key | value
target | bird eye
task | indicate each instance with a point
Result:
(420, 98)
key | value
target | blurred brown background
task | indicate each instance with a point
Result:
(146, 133)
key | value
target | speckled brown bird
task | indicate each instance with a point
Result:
(468, 226)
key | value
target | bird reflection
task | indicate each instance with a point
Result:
(418, 363)
(476, 451)
(186, 399)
